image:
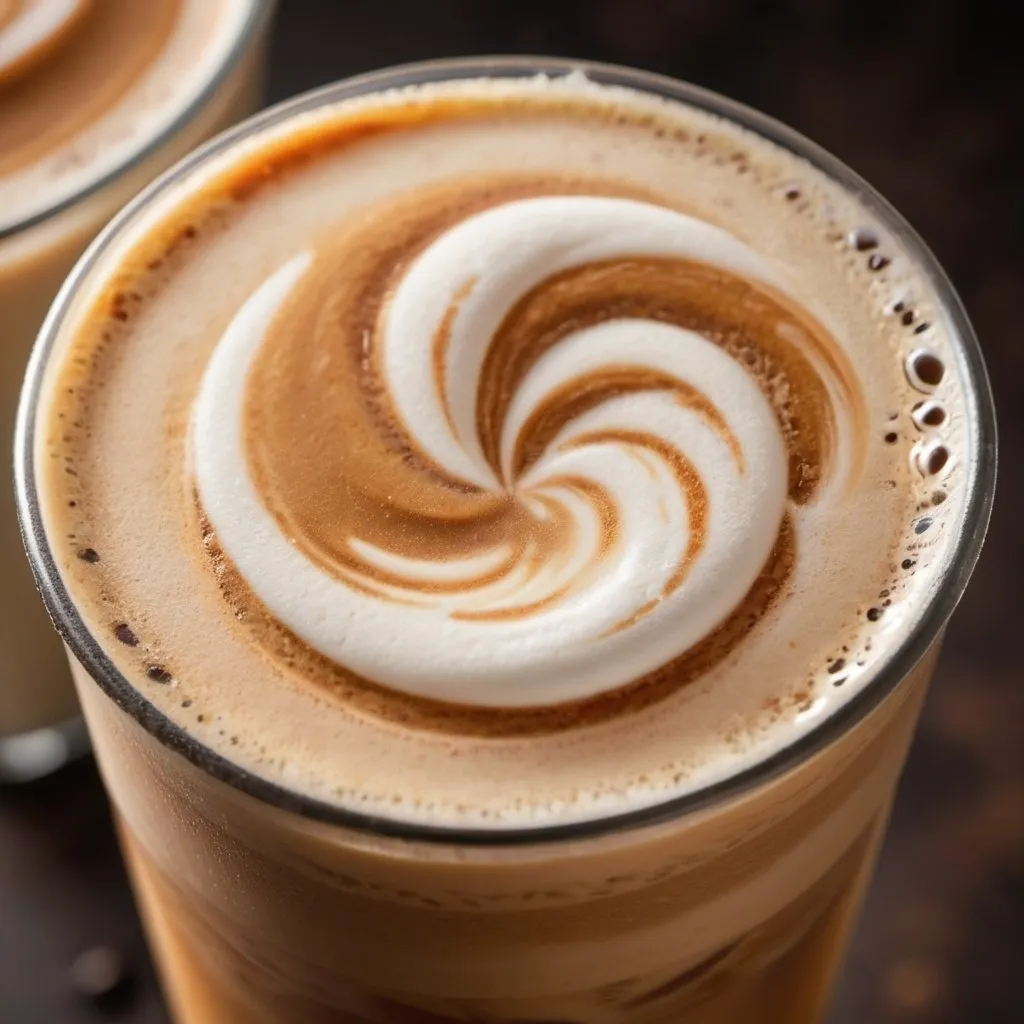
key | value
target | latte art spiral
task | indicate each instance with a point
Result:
(503, 453)
(521, 443)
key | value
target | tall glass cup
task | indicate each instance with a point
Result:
(40, 724)
(730, 905)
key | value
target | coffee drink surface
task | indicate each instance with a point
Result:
(86, 84)
(97, 97)
(502, 453)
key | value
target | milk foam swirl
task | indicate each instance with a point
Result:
(504, 448)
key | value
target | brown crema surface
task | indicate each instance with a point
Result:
(75, 76)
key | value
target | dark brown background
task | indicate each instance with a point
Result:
(926, 100)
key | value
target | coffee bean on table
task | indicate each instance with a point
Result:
(99, 973)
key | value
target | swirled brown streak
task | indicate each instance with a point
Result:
(317, 380)
(317, 386)
(589, 390)
(690, 484)
(765, 333)
(364, 696)
(442, 336)
(61, 87)
(604, 508)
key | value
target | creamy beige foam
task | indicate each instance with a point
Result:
(501, 453)
(97, 97)
(85, 84)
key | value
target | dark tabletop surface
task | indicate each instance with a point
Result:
(926, 100)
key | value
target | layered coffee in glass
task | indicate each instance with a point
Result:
(513, 510)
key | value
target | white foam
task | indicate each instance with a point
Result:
(570, 648)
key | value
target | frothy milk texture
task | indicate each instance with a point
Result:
(502, 452)
(97, 97)
(86, 85)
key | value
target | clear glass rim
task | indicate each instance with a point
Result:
(980, 467)
(259, 13)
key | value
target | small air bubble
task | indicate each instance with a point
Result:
(938, 497)
(89, 555)
(937, 459)
(930, 413)
(837, 666)
(863, 239)
(923, 525)
(908, 563)
(908, 318)
(931, 457)
(921, 328)
(874, 614)
(158, 674)
(876, 261)
(892, 437)
(924, 370)
(124, 633)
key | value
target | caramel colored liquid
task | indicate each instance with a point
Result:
(781, 975)
(737, 914)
